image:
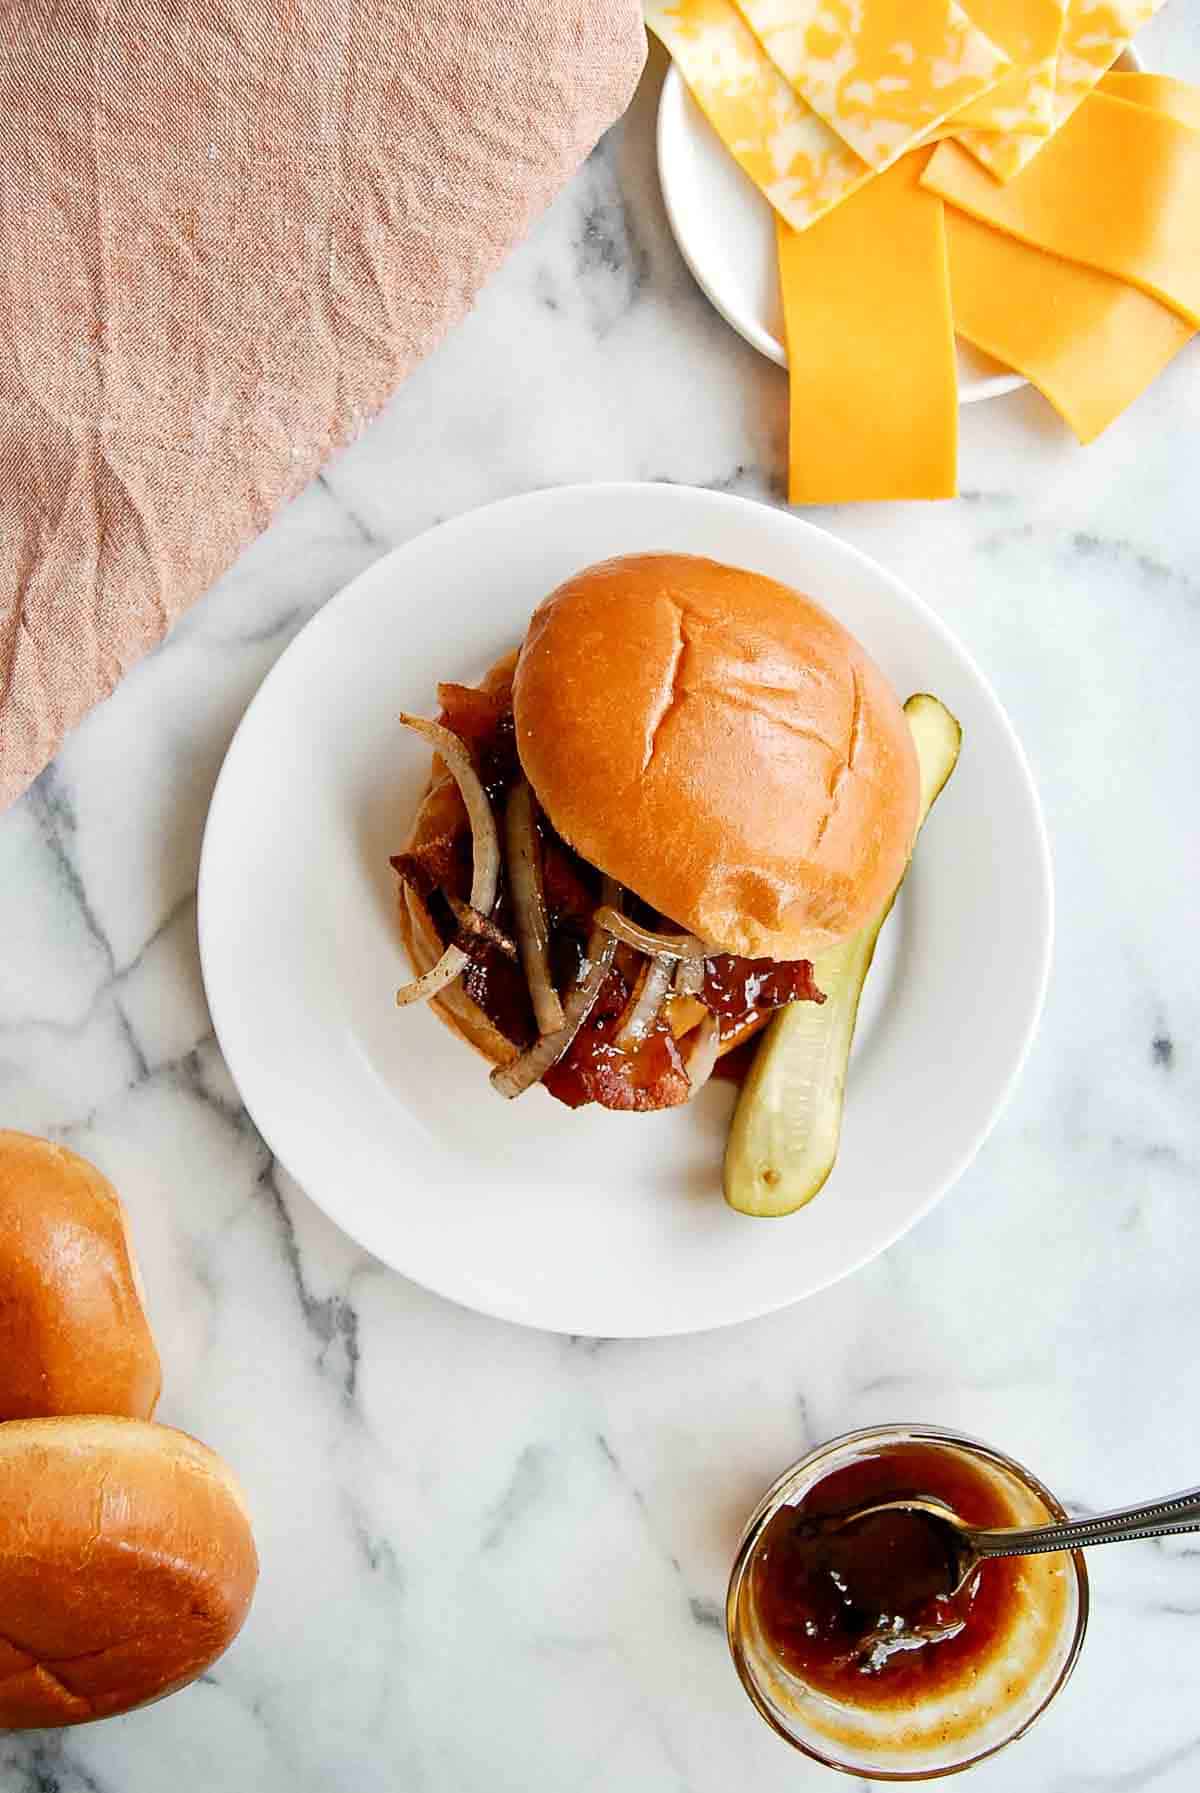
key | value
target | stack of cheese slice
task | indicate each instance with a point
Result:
(938, 167)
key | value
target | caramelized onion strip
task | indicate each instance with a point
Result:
(703, 1052)
(452, 964)
(645, 940)
(531, 1066)
(644, 1009)
(524, 857)
(689, 977)
(485, 851)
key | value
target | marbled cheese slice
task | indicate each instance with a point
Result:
(880, 72)
(794, 159)
(1117, 188)
(873, 393)
(1094, 34)
(1030, 32)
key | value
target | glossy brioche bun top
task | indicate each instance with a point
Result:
(127, 1566)
(720, 745)
(74, 1337)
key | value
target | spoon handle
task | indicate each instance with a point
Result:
(1152, 1519)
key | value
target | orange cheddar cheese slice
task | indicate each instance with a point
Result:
(1094, 34)
(1179, 99)
(799, 165)
(1088, 342)
(879, 72)
(873, 398)
(1117, 188)
(1029, 31)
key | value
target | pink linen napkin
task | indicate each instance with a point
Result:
(228, 229)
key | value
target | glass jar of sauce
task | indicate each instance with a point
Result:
(842, 1646)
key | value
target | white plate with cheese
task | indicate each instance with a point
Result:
(725, 232)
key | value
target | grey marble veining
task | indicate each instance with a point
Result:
(494, 1561)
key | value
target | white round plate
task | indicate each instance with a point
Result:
(726, 235)
(588, 1222)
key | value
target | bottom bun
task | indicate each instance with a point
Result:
(442, 811)
(127, 1566)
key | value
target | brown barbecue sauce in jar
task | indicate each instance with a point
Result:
(855, 1613)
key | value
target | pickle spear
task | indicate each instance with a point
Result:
(785, 1132)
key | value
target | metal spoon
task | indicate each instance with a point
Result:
(965, 1547)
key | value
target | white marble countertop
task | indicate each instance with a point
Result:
(494, 1561)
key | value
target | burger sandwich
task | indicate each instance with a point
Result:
(686, 788)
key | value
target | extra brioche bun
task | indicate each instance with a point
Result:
(720, 745)
(74, 1337)
(127, 1566)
